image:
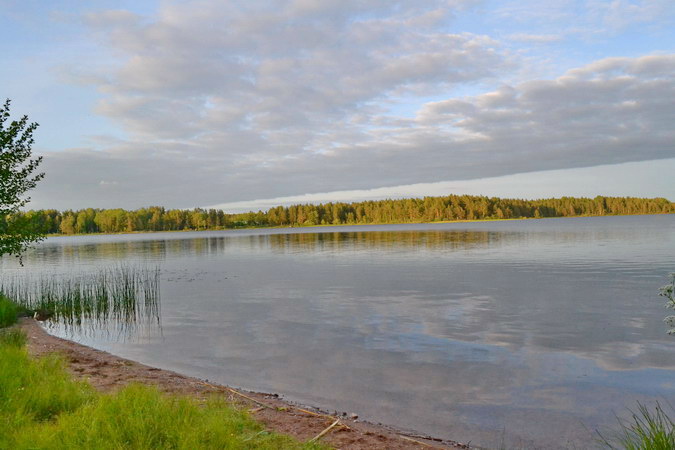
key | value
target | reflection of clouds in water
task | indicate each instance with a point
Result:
(620, 356)
(480, 327)
(440, 320)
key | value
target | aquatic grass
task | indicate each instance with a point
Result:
(42, 407)
(125, 294)
(646, 430)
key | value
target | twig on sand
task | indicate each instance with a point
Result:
(416, 441)
(264, 405)
(324, 432)
(320, 415)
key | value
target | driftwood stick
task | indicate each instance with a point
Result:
(264, 405)
(320, 415)
(324, 432)
(312, 412)
(416, 441)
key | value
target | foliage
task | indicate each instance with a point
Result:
(16, 178)
(415, 210)
(647, 430)
(41, 407)
(668, 291)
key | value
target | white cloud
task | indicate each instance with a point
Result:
(587, 18)
(225, 102)
(617, 180)
(535, 38)
(290, 67)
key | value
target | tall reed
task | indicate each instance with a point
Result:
(125, 294)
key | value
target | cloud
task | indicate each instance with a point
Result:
(616, 180)
(535, 38)
(292, 66)
(225, 103)
(588, 18)
(619, 14)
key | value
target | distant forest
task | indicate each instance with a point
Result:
(414, 210)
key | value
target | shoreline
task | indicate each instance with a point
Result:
(107, 372)
(302, 227)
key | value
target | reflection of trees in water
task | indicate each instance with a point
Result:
(158, 247)
(55, 254)
(437, 239)
(374, 240)
(151, 250)
(360, 240)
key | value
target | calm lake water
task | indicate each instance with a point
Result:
(529, 333)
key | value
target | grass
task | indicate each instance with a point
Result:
(646, 430)
(12, 337)
(42, 407)
(9, 312)
(124, 294)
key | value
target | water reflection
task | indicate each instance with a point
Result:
(161, 246)
(160, 249)
(115, 302)
(458, 330)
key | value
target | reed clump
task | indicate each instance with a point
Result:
(648, 429)
(125, 294)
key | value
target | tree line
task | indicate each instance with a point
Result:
(412, 210)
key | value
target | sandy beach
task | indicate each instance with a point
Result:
(107, 372)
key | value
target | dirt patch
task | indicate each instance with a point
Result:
(108, 372)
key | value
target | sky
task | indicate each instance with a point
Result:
(248, 104)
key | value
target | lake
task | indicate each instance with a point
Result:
(529, 333)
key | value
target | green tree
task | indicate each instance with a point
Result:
(17, 177)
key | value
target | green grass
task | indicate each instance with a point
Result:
(121, 294)
(12, 337)
(9, 312)
(42, 407)
(140, 417)
(33, 391)
(646, 430)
